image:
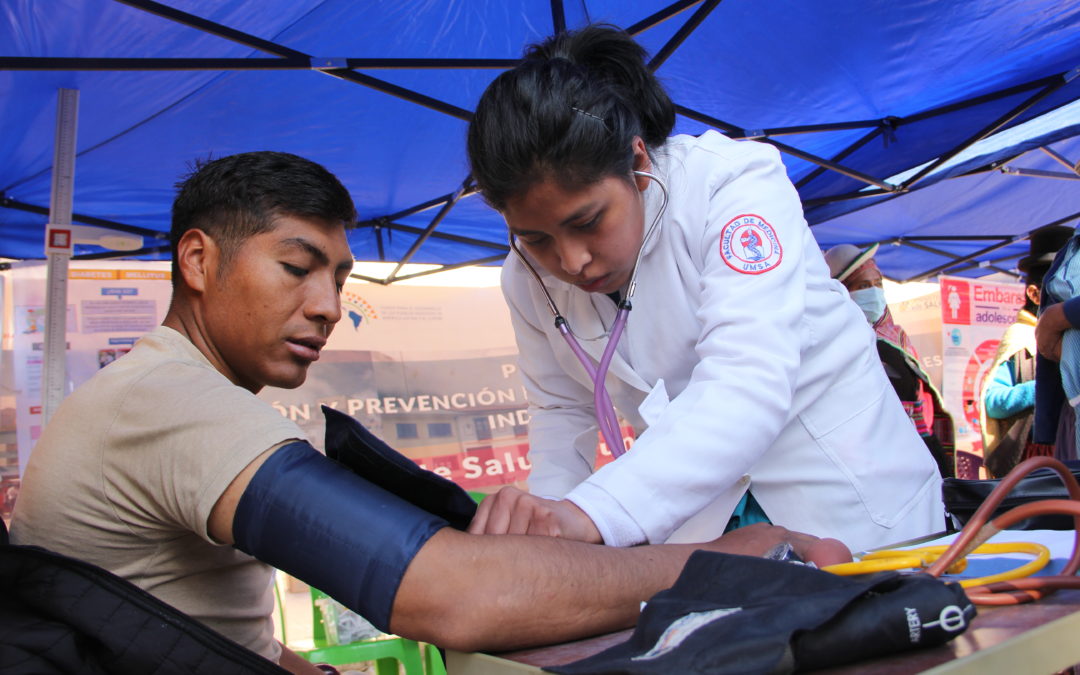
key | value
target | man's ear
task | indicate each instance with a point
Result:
(196, 257)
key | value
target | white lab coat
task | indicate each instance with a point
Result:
(732, 380)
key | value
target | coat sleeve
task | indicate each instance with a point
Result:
(1004, 396)
(562, 428)
(752, 325)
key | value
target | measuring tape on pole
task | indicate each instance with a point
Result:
(59, 243)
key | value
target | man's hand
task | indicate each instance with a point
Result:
(512, 511)
(759, 538)
(1048, 331)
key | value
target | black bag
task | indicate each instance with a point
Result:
(731, 614)
(963, 497)
(62, 615)
(348, 442)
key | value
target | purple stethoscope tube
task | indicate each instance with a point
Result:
(606, 418)
(605, 409)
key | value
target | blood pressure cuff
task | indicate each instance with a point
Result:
(348, 442)
(310, 516)
(738, 614)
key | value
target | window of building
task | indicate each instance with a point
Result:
(439, 429)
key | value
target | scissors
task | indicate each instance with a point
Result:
(925, 556)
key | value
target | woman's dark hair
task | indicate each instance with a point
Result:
(239, 196)
(570, 110)
(1034, 276)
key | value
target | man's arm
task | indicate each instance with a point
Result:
(471, 592)
(495, 592)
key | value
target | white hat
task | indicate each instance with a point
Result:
(846, 258)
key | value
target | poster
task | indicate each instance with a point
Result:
(920, 317)
(431, 370)
(108, 309)
(974, 316)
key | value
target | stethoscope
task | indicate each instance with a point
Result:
(597, 372)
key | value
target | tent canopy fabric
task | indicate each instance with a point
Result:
(887, 114)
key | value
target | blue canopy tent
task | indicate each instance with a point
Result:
(868, 102)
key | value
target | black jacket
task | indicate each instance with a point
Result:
(61, 615)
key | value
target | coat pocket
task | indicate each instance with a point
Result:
(863, 430)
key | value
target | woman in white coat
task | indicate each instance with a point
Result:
(743, 367)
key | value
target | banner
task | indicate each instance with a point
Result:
(974, 316)
(430, 370)
(108, 310)
(920, 317)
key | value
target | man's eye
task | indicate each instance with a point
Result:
(534, 241)
(294, 270)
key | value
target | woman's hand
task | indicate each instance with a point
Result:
(759, 538)
(513, 511)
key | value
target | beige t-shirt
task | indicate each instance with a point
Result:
(128, 470)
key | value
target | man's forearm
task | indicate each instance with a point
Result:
(474, 592)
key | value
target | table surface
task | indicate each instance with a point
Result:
(1040, 637)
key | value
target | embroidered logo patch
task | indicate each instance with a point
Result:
(748, 244)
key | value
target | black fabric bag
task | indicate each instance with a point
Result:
(348, 442)
(61, 615)
(730, 614)
(963, 497)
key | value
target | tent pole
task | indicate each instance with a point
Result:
(684, 32)
(987, 130)
(558, 17)
(961, 260)
(1075, 168)
(461, 192)
(1038, 173)
(59, 244)
(661, 16)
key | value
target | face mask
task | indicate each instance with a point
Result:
(871, 301)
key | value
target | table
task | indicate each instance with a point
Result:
(1041, 637)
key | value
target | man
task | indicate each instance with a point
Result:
(856, 269)
(1008, 392)
(163, 460)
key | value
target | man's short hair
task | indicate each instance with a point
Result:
(236, 197)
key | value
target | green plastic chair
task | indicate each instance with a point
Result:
(386, 653)
(433, 661)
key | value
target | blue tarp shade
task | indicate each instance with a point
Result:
(854, 92)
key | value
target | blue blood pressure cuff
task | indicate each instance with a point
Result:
(344, 531)
(348, 442)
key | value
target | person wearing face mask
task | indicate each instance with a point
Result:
(855, 268)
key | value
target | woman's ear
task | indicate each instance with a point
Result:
(642, 162)
(1032, 292)
(196, 256)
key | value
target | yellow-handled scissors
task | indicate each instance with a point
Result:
(922, 557)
